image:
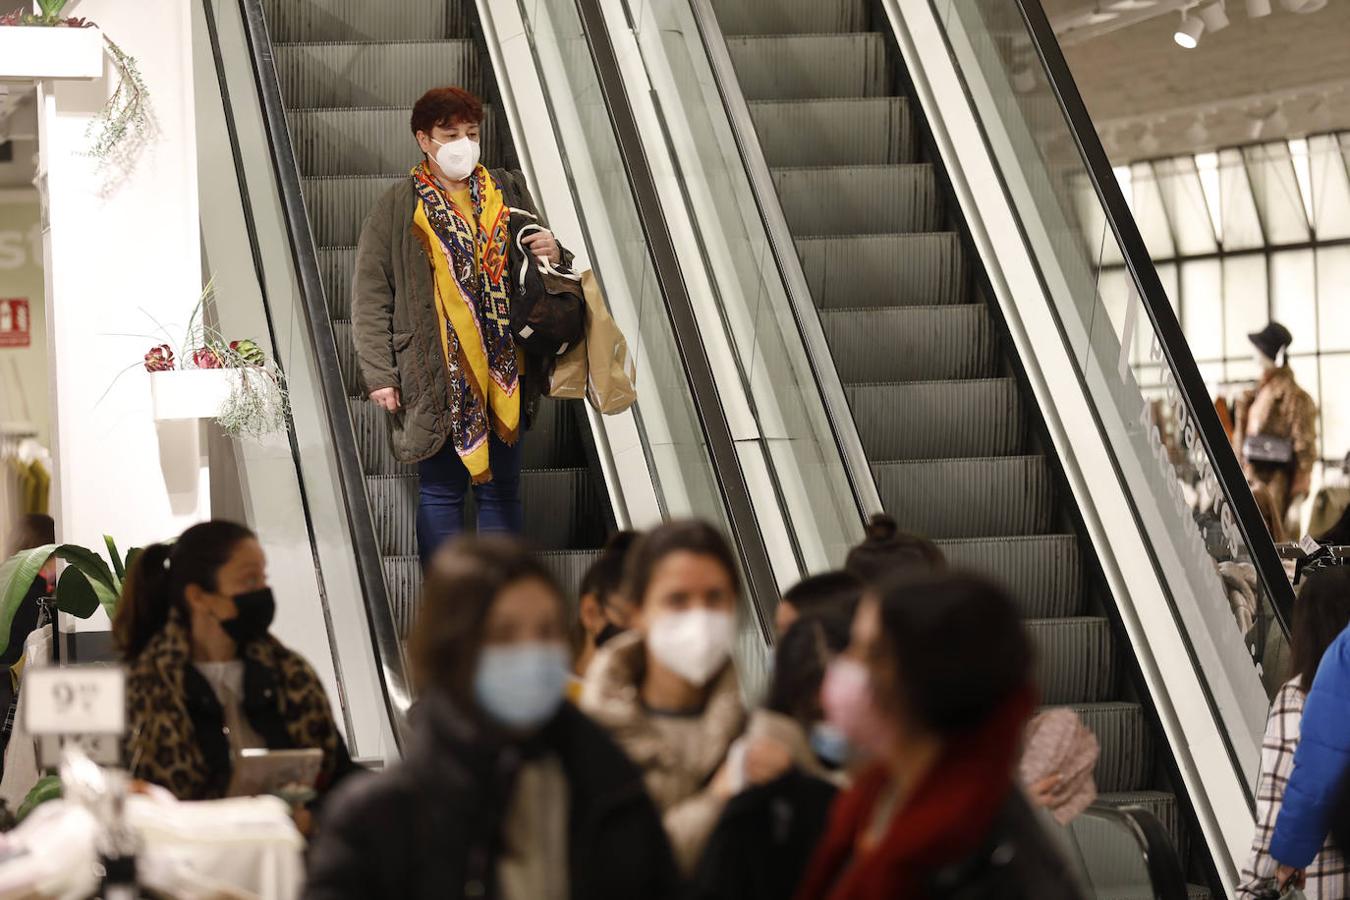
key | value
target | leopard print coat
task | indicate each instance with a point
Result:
(173, 718)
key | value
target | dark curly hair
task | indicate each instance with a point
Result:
(445, 106)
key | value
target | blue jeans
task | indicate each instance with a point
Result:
(443, 483)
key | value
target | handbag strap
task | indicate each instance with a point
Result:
(545, 265)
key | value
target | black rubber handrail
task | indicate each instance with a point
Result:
(1165, 874)
(351, 476)
(761, 585)
(1166, 326)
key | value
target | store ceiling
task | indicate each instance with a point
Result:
(1288, 72)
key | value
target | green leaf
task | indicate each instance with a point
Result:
(116, 558)
(76, 594)
(90, 563)
(47, 788)
(132, 555)
(16, 577)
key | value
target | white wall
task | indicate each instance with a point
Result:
(118, 260)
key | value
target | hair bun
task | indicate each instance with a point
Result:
(881, 527)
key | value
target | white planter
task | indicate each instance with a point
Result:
(191, 393)
(33, 51)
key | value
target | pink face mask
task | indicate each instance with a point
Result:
(846, 695)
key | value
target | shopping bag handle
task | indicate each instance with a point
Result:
(545, 265)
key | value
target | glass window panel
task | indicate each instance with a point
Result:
(1333, 298)
(1092, 220)
(1278, 200)
(1293, 299)
(1150, 214)
(1208, 166)
(1184, 198)
(1202, 308)
(1246, 302)
(1330, 187)
(1336, 415)
(1241, 223)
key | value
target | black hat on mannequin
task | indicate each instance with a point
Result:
(1271, 340)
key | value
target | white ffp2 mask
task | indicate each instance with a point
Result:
(694, 645)
(457, 158)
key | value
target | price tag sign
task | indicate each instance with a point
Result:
(75, 700)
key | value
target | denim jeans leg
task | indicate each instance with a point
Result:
(443, 483)
(499, 505)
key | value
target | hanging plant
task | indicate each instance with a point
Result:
(124, 124)
(48, 15)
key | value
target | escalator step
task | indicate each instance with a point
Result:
(554, 440)
(801, 67)
(351, 370)
(859, 199)
(568, 566)
(790, 16)
(289, 21)
(967, 498)
(371, 424)
(1162, 804)
(938, 419)
(1044, 573)
(394, 74)
(338, 206)
(856, 131)
(853, 271)
(1075, 659)
(403, 583)
(365, 141)
(336, 265)
(1126, 761)
(562, 510)
(912, 343)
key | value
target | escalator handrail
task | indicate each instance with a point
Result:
(761, 583)
(1155, 844)
(351, 475)
(1176, 349)
(784, 249)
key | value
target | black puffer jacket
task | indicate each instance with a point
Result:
(428, 827)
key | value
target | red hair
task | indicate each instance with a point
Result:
(445, 106)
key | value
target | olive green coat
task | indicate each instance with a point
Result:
(395, 324)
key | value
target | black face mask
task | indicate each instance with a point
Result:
(256, 610)
(609, 631)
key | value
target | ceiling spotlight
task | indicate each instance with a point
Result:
(1024, 80)
(1278, 123)
(1294, 5)
(1214, 16)
(1197, 134)
(1312, 6)
(1188, 32)
(1258, 8)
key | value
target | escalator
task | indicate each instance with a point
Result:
(350, 72)
(954, 447)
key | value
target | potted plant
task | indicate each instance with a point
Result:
(87, 583)
(47, 44)
(50, 45)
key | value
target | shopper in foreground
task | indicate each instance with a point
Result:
(505, 791)
(667, 690)
(936, 687)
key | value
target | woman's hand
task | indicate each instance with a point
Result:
(543, 245)
(387, 398)
(1046, 792)
(1288, 875)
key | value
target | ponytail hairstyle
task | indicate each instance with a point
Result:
(158, 579)
(887, 551)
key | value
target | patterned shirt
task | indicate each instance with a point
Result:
(1328, 875)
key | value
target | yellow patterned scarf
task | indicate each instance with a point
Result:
(473, 305)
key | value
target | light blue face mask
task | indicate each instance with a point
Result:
(830, 745)
(521, 685)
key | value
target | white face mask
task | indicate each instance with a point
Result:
(457, 158)
(694, 645)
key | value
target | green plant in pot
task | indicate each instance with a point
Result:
(87, 583)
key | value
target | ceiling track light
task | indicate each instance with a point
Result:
(1214, 15)
(1188, 32)
(1312, 6)
(1258, 8)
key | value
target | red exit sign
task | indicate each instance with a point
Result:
(16, 326)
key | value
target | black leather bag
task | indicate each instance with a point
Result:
(1268, 450)
(547, 304)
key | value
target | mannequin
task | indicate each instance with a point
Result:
(1275, 428)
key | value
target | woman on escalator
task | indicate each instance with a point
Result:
(505, 790)
(431, 321)
(205, 678)
(1321, 613)
(935, 688)
(667, 690)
